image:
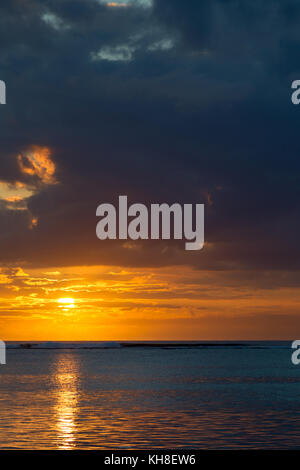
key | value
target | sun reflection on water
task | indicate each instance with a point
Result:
(66, 400)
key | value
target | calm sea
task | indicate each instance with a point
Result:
(115, 396)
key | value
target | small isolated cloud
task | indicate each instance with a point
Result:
(127, 3)
(33, 222)
(162, 45)
(117, 4)
(54, 21)
(118, 53)
(37, 162)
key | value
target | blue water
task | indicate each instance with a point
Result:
(63, 396)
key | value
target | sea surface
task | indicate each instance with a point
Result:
(207, 395)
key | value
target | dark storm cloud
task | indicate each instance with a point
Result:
(184, 101)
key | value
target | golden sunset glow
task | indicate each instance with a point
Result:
(66, 303)
(115, 303)
(68, 300)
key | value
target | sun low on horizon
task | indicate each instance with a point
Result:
(66, 303)
(119, 303)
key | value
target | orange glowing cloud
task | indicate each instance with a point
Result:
(14, 195)
(14, 192)
(21, 273)
(33, 223)
(37, 162)
(115, 4)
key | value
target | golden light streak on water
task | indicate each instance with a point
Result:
(66, 404)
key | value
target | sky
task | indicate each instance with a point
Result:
(162, 101)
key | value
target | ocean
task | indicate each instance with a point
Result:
(195, 395)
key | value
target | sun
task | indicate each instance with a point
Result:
(66, 303)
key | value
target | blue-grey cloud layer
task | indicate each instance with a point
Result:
(181, 101)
